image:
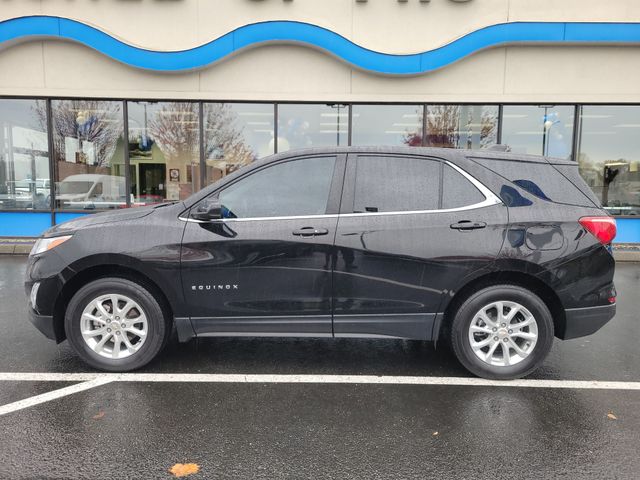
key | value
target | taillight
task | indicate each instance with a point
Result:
(603, 228)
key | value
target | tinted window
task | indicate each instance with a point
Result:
(457, 191)
(300, 187)
(539, 179)
(394, 184)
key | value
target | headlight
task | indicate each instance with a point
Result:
(46, 244)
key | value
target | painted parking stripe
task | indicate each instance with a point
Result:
(53, 395)
(335, 379)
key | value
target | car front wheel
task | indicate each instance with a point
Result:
(115, 324)
(502, 332)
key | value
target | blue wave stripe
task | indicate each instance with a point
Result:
(318, 37)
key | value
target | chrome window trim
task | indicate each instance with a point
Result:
(490, 199)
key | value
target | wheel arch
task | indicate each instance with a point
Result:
(90, 271)
(510, 277)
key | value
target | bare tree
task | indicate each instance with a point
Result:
(225, 139)
(94, 121)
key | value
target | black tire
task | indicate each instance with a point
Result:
(471, 306)
(159, 327)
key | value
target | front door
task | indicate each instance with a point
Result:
(411, 230)
(265, 269)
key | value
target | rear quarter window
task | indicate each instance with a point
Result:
(541, 180)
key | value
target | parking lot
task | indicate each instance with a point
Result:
(307, 408)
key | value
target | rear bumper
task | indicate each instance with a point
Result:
(581, 322)
(47, 327)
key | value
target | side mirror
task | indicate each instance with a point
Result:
(208, 210)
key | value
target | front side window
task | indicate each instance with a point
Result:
(299, 187)
(395, 184)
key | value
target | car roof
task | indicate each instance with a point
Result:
(444, 153)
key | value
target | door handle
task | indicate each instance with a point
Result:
(310, 232)
(468, 225)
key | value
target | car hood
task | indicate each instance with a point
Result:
(91, 220)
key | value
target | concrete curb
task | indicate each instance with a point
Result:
(622, 252)
(16, 246)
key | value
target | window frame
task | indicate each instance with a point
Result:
(333, 200)
(348, 194)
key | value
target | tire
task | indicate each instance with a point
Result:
(90, 311)
(518, 363)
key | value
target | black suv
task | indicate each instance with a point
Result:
(493, 252)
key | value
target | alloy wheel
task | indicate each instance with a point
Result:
(503, 333)
(114, 326)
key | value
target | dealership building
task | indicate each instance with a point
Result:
(108, 104)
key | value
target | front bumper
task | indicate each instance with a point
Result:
(580, 322)
(46, 325)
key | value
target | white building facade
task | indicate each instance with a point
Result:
(108, 104)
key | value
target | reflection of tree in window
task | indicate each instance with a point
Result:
(225, 138)
(96, 124)
(461, 126)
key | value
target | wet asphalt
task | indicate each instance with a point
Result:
(139, 430)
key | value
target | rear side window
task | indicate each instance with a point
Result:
(396, 184)
(539, 179)
(457, 191)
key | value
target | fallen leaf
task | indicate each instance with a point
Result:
(98, 415)
(184, 469)
(611, 416)
(435, 434)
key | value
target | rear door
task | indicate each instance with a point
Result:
(411, 230)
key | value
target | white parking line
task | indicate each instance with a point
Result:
(46, 397)
(336, 379)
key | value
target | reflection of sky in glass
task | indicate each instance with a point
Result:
(387, 125)
(523, 129)
(312, 125)
(248, 123)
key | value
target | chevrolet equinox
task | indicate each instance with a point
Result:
(492, 252)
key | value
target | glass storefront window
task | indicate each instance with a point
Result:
(88, 154)
(539, 129)
(462, 126)
(387, 125)
(24, 155)
(312, 125)
(235, 135)
(164, 151)
(609, 156)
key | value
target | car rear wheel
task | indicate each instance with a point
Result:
(502, 332)
(115, 324)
